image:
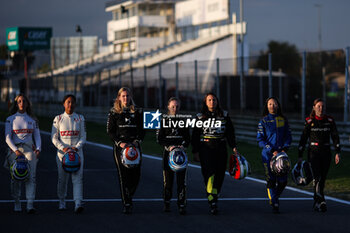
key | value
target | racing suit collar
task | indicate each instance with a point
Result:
(209, 113)
(22, 114)
(66, 114)
(273, 115)
(126, 109)
(319, 118)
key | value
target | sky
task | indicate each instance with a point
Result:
(295, 22)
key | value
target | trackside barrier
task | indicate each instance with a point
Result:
(245, 126)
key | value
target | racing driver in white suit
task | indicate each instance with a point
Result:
(22, 136)
(68, 132)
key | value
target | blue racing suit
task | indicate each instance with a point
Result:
(273, 135)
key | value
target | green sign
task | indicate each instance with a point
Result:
(12, 39)
(23, 38)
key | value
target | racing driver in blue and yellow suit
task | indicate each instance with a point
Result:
(273, 136)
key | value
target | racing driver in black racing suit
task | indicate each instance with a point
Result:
(171, 138)
(318, 129)
(209, 146)
(125, 127)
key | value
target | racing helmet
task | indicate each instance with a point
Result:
(239, 167)
(71, 161)
(177, 159)
(20, 169)
(280, 164)
(302, 173)
(131, 156)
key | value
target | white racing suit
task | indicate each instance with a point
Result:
(69, 131)
(20, 130)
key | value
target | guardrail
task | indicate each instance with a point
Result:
(246, 129)
(245, 125)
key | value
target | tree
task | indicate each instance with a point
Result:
(3, 51)
(284, 56)
(3, 56)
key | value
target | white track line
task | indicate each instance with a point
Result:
(248, 178)
(196, 166)
(161, 199)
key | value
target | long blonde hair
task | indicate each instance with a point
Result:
(14, 107)
(118, 105)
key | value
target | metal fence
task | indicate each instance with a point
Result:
(295, 82)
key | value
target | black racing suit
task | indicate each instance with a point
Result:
(210, 142)
(168, 137)
(126, 127)
(318, 131)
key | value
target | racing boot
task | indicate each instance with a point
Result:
(167, 206)
(213, 208)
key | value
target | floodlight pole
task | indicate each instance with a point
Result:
(241, 78)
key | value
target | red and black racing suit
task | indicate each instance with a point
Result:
(126, 127)
(168, 137)
(210, 142)
(319, 130)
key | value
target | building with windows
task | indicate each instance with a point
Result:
(138, 26)
(157, 31)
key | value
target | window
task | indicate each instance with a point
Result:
(116, 15)
(124, 34)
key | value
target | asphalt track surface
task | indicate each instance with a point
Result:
(243, 206)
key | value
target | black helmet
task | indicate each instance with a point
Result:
(302, 173)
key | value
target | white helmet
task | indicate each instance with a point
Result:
(302, 173)
(177, 159)
(239, 167)
(131, 156)
(280, 164)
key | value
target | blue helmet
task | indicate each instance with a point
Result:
(20, 169)
(71, 161)
(177, 160)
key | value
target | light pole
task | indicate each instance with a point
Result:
(242, 84)
(319, 6)
(124, 10)
(78, 30)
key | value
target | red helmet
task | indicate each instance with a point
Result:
(239, 167)
(130, 156)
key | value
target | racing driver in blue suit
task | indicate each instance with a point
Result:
(273, 136)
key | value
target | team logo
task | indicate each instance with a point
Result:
(12, 35)
(151, 120)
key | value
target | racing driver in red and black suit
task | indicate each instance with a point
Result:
(318, 129)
